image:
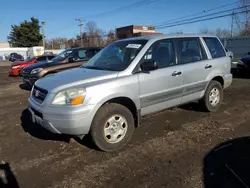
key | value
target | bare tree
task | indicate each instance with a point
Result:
(94, 35)
(111, 36)
(56, 43)
(221, 33)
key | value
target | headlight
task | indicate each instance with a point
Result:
(37, 70)
(240, 62)
(15, 67)
(73, 96)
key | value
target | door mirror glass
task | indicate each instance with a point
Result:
(150, 65)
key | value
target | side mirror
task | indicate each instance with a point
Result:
(71, 59)
(147, 66)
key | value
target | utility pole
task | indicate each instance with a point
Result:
(232, 24)
(80, 25)
(43, 23)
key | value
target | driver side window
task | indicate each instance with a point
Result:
(162, 52)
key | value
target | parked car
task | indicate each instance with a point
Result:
(243, 65)
(68, 59)
(128, 79)
(17, 66)
(229, 54)
(15, 57)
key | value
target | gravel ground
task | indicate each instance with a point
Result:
(177, 148)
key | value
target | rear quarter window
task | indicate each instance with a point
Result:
(215, 47)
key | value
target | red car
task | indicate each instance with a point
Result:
(17, 66)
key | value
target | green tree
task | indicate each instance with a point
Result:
(27, 34)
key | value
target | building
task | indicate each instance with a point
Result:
(135, 31)
(4, 45)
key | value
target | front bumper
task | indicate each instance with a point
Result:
(241, 67)
(62, 120)
(14, 72)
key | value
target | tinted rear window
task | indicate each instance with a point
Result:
(215, 47)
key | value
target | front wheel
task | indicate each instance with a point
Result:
(213, 97)
(112, 127)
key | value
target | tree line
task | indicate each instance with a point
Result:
(27, 34)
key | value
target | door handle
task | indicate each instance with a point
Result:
(175, 73)
(208, 66)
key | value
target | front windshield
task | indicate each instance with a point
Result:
(63, 55)
(116, 56)
(29, 59)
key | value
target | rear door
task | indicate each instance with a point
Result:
(195, 65)
(219, 60)
(160, 88)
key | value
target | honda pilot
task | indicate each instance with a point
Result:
(128, 79)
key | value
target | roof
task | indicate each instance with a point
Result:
(157, 37)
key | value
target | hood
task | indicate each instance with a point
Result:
(19, 63)
(37, 65)
(73, 77)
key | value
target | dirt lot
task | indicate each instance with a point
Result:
(170, 149)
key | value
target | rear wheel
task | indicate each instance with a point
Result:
(213, 97)
(112, 127)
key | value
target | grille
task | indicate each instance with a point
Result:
(39, 94)
(25, 74)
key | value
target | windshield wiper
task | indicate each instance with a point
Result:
(94, 67)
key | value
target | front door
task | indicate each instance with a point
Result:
(160, 88)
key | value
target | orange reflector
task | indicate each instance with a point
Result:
(77, 100)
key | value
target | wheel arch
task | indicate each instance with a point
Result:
(128, 103)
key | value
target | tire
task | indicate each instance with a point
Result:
(102, 137)
(206, 103)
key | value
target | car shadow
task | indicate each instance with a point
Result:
(228, 165)
(25, 86)
(193, 106)
(7, 178)
(39, 132)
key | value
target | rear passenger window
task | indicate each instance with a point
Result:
(161, 52)
(215, 47)
(82, 54)
(190, 50)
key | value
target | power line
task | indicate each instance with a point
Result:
(215, 13)
(124, 8)
(195, 14)
(211, 18)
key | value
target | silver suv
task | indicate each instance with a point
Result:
(128, 79)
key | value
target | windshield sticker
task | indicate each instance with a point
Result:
(134, 46)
